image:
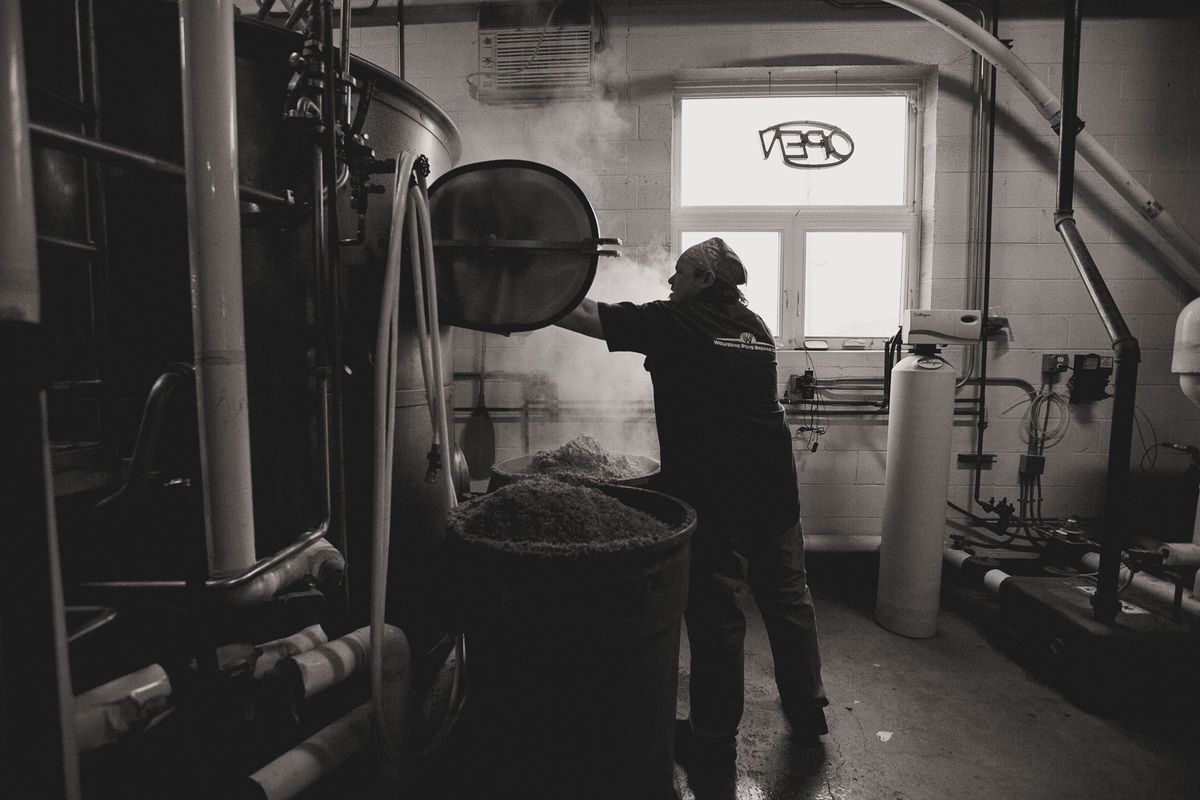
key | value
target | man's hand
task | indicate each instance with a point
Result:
(584, 318)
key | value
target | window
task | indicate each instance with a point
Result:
(813, 183)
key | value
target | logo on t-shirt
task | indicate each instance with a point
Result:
(744, 341)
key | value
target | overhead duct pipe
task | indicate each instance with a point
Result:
(215, 256)
(1183, 250)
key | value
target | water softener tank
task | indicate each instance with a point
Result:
(915, 494)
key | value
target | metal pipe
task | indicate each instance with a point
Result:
(20, 297)
(345, 53)
(1127, 354)
(316, 558)
(330, 299)
(1072, 32)
(74, 245)
(1110, 314)
(67, 142)
(215, 257)
(145, 448)
(298, 12)
(37, 738)
(1183, 249)
(306, 540)
(102, 616)
(982, 422)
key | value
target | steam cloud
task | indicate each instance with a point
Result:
(607, 395)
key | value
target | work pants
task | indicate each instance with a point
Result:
(723, 565)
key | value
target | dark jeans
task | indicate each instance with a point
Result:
(773, 567)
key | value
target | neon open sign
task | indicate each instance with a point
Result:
(806, 144)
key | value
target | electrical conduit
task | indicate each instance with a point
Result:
(1183, 252)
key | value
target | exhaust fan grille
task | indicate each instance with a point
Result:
(534, 63)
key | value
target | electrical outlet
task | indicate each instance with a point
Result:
(1055, 362)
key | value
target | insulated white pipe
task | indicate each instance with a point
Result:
(1183, 251)
(833, 543)
(276, 650)
(106, 713)
(315, 757)
(215, 255)
(333, 662)
(992, 579)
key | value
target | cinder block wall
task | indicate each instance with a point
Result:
(1139, 95)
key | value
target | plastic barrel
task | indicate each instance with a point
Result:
(572, 664)
(505, 472)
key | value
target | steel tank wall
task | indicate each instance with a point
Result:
(148, 296)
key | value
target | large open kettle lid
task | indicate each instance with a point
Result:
(516, 245)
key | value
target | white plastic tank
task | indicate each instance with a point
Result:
(915, 492)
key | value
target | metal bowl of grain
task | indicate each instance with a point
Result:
(581, 460)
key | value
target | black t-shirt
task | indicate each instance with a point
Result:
(723, 437)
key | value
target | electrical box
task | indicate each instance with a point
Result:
(1055, 362)
(1089, 378)
(1032, 464)
(802, 387)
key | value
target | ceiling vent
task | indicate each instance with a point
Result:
(548, 59)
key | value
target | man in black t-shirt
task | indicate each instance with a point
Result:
(725, 449)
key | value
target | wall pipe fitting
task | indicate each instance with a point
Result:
(1183, 251)
(215, 257)
(37, 736)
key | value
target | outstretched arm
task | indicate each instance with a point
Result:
(584, 318)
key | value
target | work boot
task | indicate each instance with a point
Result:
(709, 761)
(807, 723)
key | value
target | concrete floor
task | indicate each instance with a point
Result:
(947, 718)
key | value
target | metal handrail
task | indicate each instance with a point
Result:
(88, 147)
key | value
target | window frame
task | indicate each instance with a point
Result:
(794, 222)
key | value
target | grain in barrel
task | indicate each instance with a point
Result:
(542, 515)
